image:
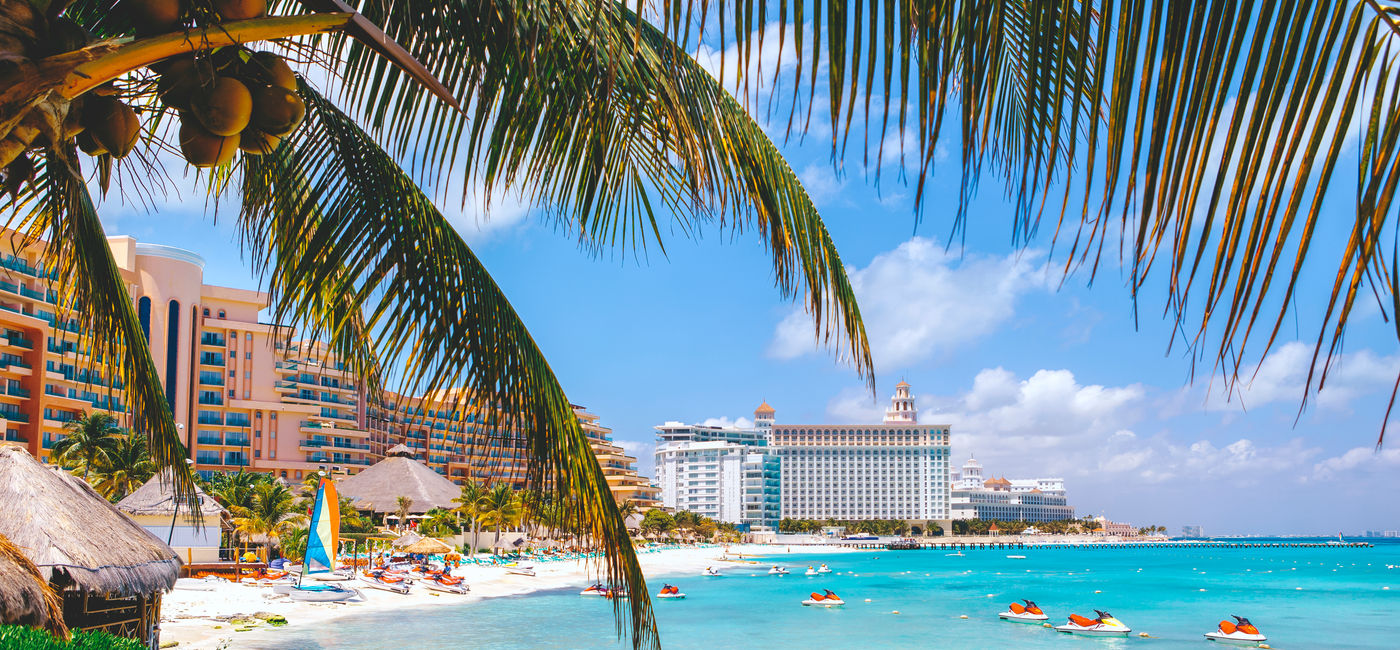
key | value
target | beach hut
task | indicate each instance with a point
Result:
(109, 571)
(153, 506)
(405, 540)
(25, 597)
(380, 485)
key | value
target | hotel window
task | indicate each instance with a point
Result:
(221, 313)
(206, 312)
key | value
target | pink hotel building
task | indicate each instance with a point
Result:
(243, 397)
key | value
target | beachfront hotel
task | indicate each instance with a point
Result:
(245, 394)
(1036, 499)
(756, 475)
(894, 470)
(724, 473)
(619, 468)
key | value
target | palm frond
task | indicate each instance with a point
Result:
(346, 228)
(93, 300)
(1205, 136)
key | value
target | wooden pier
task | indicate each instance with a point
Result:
(960, 546)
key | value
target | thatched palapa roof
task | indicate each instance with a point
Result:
(157, 497)
(407, 539)
(75, 537)
(379, 486)
(429, 546)
(25, 597)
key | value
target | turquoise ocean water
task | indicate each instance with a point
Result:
(1300, 598)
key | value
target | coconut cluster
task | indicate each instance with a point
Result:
(229, 100)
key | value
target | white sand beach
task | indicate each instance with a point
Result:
(202, 614)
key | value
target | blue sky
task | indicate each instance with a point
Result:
(1035, 376)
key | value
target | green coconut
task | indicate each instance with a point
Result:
(111, 124)
(240, 9)
(277, 110)
(223, 106)
(202, 148)
(266, 68)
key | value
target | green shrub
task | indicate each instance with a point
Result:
(28, 638)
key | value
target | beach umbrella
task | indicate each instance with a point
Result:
(428, 546)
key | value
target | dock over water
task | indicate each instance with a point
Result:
(958, 546)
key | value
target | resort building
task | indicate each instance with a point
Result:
(894, 470)
(1037, 499)
(725, 473)
(619, 468)
(244, 394)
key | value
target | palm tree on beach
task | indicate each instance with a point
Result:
(1204, 135)
(470, 504)
(273, 513)
(402, 505)
(608, 129)
(87, 441)
(125, 467)
(500, 508)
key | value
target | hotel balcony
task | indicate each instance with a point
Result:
(213, 340)
(318, 443)
(211, 359)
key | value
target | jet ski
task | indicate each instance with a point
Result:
(1027, 613)
(823, 569)
(521, 570)
(825, 599)
(385, 581)
(710, 571)
(596, 589)
(777, 571)
(446, 584)
(671, 591)
(1241, 632)
(1104, 625)
(811, 571)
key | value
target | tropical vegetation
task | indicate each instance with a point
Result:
(470, 504)
(30, 638)
(855, 526)
(1205, 136)
(501, 508)
(272, 512)
(126, 466)
(87, 440)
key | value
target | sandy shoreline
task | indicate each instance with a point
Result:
(202, 617)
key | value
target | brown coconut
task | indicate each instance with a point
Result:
(88, 145)
(223, 107)
(178, 83)
(257, 142)
(277, 110)
(266, 68)
(240, 9)
(202, 148)
(111, 124)
(153, 16)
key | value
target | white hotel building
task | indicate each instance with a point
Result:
(894, 470)
(724, 473)
(1032, 499)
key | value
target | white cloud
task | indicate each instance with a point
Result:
(921, 300)
(729, 423)
(1355, 460)
(820, 181)
(480, 213)
(1282, 376)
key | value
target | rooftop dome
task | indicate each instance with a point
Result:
(764, 409)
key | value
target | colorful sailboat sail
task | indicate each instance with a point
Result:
(323, 535)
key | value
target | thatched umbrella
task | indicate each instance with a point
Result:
(157, 497)
(428, 546)
(379, 486)
(109, 570)
(405, 540)
(25, 597)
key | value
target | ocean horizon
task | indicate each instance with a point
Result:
(1174, 595)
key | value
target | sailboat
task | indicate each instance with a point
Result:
(322, 542)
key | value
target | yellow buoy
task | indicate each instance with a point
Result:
(963, 616)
